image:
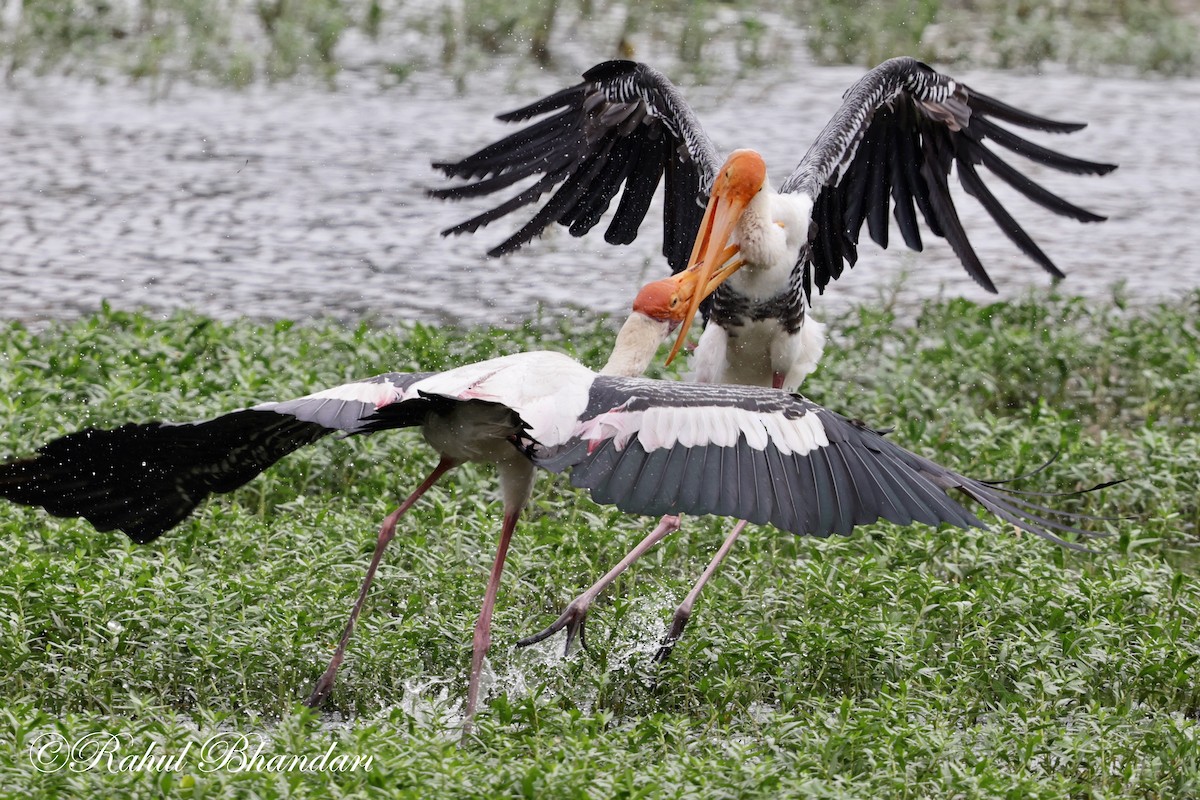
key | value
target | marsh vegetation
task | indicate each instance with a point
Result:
(898, 662)
(236, 43)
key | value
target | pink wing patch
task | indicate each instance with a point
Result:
(618, 425)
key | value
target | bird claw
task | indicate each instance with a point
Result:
(668, 641)
(664, 650)
(572, 618)
(320, 692)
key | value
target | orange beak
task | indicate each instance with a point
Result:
(713, 258)
(690, 288)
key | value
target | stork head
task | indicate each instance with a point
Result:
(662, 306)
(662, 301)
(743, 173)
(714, 258)
(657, 310)
(655, 315)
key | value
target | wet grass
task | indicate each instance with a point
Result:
(898, 662)
(235, 44)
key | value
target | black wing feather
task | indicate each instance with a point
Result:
(784, 487)
(975, 187)
(878, 189)
(642, 180)
(841, 488)
(624, 124)
(855, 477)
(646, 492)
(946, 213)
(692, 492)
(1032, 189)
(526, 196)
(145, 478)
(907, 189)
(982, 127)
(920, 122)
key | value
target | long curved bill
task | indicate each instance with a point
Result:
(713, 258)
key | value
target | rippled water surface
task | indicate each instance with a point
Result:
(299, 203)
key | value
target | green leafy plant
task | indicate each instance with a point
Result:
(896, 662)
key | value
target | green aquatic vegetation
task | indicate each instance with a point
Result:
(896, 662)
(869, 31)
(238, 43)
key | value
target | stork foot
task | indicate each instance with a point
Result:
(680, 622)
(572, 618)
(321, 691)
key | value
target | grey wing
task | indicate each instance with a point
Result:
(892, 144)
(653, 447)
(625, 125)
(145, 478)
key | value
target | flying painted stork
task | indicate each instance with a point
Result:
(626, 128)
(646, 446)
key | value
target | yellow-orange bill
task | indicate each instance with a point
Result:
(710, 264)
(689, 288)
(738, 181)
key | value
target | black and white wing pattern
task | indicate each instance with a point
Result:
(648, 447)
(766, 456)
(625, 124)
(892, 143)
(145, 478)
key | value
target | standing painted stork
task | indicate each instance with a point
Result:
(891, 144)
(646, 446)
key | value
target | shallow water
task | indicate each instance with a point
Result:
(299, 203)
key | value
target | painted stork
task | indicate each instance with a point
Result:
(891, 144)
(646, 446)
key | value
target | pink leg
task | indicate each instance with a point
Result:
(685, 608)
(483, 626)
(386, 532)
(576, 612)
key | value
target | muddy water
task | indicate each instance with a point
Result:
(300, 203)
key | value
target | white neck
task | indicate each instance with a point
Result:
(637, 342)
(770, 234)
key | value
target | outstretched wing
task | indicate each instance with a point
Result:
(648, 447)
(656, 447)
(896, 135)
(145, 478)
(624, 125)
